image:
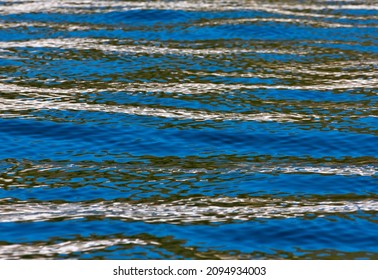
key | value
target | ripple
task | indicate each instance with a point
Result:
(273, 167)
(47, 251)
(24, 105)
(107, 6)
(182, 211)
(296, 21)
(103, 45)
(188, 129)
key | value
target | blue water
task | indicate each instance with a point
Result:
(188, 130)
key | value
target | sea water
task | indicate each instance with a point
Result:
(188, 129)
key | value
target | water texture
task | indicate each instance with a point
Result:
(188, 129)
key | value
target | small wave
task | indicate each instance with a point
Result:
(182, 211)
(51, 250)
(300, 21)
(274, 167)
(81, 6)
(194, 88)
(148, 48)
(103, 45)
(344, 171)
(25, 105)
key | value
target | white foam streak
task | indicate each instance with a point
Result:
(274, 167)
(38, 92)
(315, 23)
(279, 168)
(37, 24)
(290, 72)
(103, 45)
(191, 88)
(297, 10)
(68, 247)
(27, 104)
(182, 211)
(106, 46)
(323, 170)
(88, 6)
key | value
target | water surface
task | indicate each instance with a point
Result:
(188, 129)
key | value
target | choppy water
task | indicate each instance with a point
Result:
(188, 129)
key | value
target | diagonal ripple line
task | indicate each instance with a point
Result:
(27, 104)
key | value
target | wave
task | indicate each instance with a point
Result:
(195, 210)
(25, 105)
(108, 6)
(67, 247)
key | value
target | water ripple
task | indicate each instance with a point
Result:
(182, 211)
(237, 129)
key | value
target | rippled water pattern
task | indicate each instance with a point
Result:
(188, 129)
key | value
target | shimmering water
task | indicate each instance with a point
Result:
(188, 129)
